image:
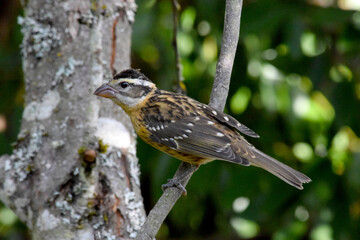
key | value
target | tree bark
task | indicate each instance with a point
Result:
(73, 173)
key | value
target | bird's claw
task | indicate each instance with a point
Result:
(174, 183)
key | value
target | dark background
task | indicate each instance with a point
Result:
(295, 82)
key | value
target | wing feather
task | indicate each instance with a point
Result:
(197, 136)
(229, 120)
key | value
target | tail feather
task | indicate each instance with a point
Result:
(282, 171)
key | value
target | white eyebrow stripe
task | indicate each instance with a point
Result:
(139, 82)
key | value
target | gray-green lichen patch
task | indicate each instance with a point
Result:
(22, 158)
(46, 221)
(9, 186)
(135, 171)
(43, 109)
(135, 213)
(40, 37)
(57, 143)
(86, 233)
(88, 19)
(129, 7)
(65, 71)
(105, 234)
(107, 160)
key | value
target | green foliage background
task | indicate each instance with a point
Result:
(295, 82)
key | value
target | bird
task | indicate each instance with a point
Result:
(187, 129)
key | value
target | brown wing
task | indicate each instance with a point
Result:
(197, 136)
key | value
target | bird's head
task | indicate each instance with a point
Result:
(128, 89)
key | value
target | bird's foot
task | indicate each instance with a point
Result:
(174, 183)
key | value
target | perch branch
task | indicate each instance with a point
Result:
(217, 100)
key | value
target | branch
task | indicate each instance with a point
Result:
(179, 77)
(217, 100)
(227, 54)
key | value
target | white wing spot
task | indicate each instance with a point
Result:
(188, 130)
(214, 112)
(158, 128)
(238, 124)
(226, 118)
(185, 136)
(162, 126)
(190, 124)
(210, 123)
(197, 119)
(219, 134)
(171, 139)
(172, 121)
(165, 139)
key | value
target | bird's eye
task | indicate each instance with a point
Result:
(124, 84)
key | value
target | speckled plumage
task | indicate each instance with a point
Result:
(187, 129)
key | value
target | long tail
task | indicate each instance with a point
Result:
(282, 171)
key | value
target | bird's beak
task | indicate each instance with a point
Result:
(106, 91)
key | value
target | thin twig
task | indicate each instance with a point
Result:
(179, 77)
(227, 54)
(217, 100)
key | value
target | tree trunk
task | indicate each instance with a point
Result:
(74, 173)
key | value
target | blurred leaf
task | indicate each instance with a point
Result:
(7, 217)
(303, 151)
(340, 73)
(209, 49)
(239, 101)
(322, 232)
(311, 46)
(245, 228)
(187, 18)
